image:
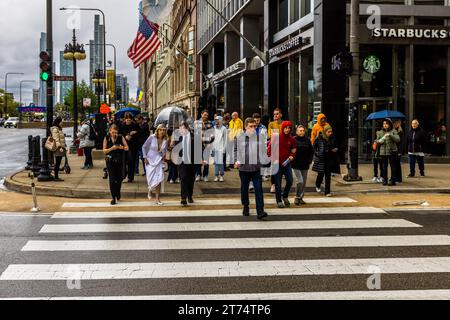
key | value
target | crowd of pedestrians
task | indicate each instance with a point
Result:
(283, 152)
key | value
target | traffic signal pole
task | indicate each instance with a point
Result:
(353, 113)
(45, 174)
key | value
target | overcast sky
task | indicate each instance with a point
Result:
(21, 24)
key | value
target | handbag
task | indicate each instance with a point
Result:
(50, 144)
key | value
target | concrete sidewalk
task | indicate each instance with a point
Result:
(88, 184)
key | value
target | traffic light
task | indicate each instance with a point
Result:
(342, 63)
(45, 66)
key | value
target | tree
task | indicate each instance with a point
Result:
(83, 91)
(12, 105)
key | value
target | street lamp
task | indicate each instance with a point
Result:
(104, 35)
(6, 91)
(115, 68)
(73, 52)
(20, 95)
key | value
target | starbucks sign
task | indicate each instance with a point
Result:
(372, 64)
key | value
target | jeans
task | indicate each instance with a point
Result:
(327, 176)
(255, 177)
(140, 157)
(376, 165)
(198, 171)
(287, 173)
(412, 164)
(387, 161)
(131, 163)
(88, 156)
(173, 172)
(219, 170)
(302, 177)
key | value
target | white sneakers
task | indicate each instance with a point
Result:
(221, 179)
(216, 179)
(272, 189)
(205, 179)
(375, 179)
(318, 190)
(251, 187)
(197, 178)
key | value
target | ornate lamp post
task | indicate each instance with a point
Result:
(74, 51)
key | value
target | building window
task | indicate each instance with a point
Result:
(191, 40)
(191, 84)
(283, 14)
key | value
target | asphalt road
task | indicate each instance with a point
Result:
(14, 148)
(122, 270)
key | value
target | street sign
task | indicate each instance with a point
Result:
(64, 78)
(86, 102)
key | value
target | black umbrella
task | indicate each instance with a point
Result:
(172, 117)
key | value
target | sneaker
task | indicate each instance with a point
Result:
(251, 187)
(422, 175)
(205, 179)
(375, 179)
(177, 181)
(184, 202)
(246, 211)
(391, 183)
(272, 189)
(318, 190)
(113, 202)
(197, 179)
(297, 201)
(329, 195)
(286, 202)
(221, 179)
(216, 179)
(171, 181)
(190, 200)
(84, 168)
(159, 203)
(380, 180)
(281, 205)
(262, 215)
(265, 178)
(410, 176)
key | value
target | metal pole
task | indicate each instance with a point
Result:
(45, 173)
(75, 96)
(258, 52)
(353, 116)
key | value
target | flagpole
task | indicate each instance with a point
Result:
(171, 42)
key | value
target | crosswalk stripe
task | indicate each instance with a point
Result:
(228, 226)
(215, 213)
(237, 243)
(219, 269)
(336, 295)
(208, 202)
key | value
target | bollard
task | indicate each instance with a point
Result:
(45, 174)
(30, 153)
(35, 208)
(35, 166)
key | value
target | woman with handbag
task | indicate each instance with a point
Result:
(154, 150)
(114, 147)
(59, 145)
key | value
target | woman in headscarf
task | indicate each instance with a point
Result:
(325, 159)
(154, 150)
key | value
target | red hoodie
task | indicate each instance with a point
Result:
(286, 143)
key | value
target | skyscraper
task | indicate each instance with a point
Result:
(65, 69)
(96, 55)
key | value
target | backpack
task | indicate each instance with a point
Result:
(92, 133)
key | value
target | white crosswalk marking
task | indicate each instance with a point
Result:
(228, 226)
(209, 202)
(90, 246)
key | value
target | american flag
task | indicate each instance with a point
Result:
(146, 42)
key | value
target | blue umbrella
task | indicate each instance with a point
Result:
(386, 114)
(121, 112)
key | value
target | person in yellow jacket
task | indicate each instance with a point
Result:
(319, 127)
(275, 125)
(235, 125)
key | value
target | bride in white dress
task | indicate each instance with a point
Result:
(154, 150)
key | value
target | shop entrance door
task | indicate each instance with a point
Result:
(367, 129)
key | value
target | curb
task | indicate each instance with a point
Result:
(13, 185)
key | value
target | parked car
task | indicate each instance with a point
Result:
(2, 122)
(12, 122)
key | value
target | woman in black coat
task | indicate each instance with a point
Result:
(417, 138)
(301, 163)
(325, 159)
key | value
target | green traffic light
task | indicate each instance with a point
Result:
(45, 76)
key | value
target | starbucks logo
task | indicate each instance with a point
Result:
(372, 64)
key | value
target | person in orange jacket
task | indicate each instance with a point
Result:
(319, 126)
